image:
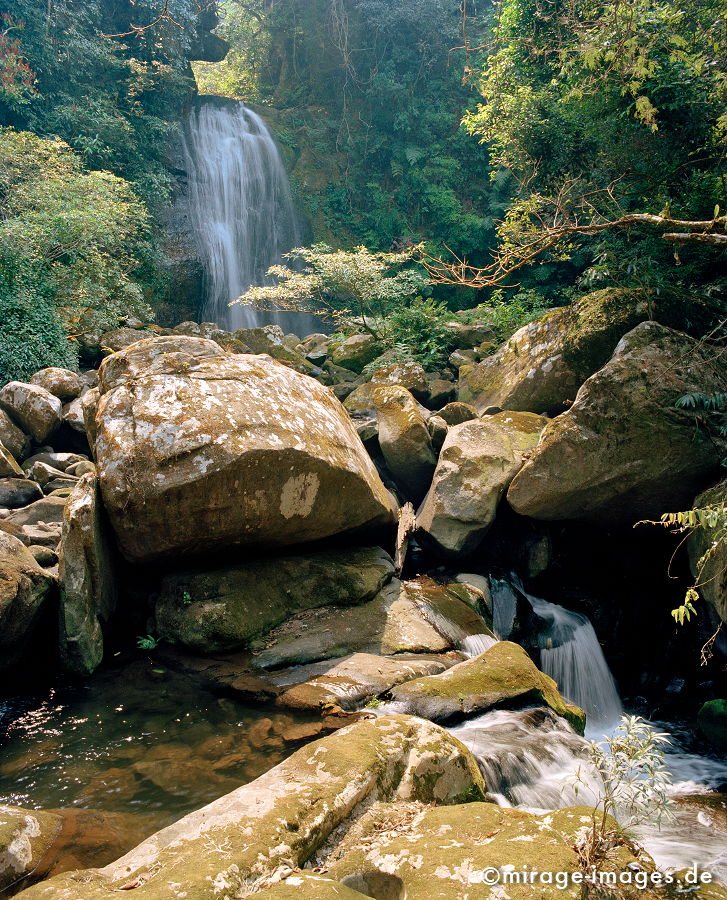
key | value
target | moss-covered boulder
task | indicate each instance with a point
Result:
(25, 837)
(543, 364)
(269, 339)
(356, 352)
(199, 450)
(712, 722)
(409, 375)
(477, 462)
(624, 451)
(713, 576)
(222, 609)
(504, 676)
(284, 816)
(404, 440)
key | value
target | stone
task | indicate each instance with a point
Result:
(440, 392)
(360, 402)
(356, 352)
(84, 467)
(409, 375)
(624, 451)
(87, 579)
(351, 681)
(461, 358)
(120, 338)
(437, 428)
(62, 383)
(456, 412)
(25, 837)
(44, 556)
(9, 467)
(72, 414)
(712, 722)
(225, 608)
(467, 337)
(24, 590)
(478, 461)
(42, 534)
(89, 406)
(287, 813)
(32, 408)
(48, 510)
(404, 440)
(61, 462)
(315, 347)
(43, 473)
(502, 677)
(14, 439)
(269, 339)
(713, 577)
(18, 492)
(197, 450)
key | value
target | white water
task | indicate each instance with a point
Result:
(241, 208)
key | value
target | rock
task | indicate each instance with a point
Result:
(72, 415)
(62, 383)
(225, 608)
(440, 392)
(623, 451)
(9, 467)
(89, 407)
(14, 439)
(456, 413)
(44, 535)
(712, 722)
(315, 347)
(287, 813)
(24, 589)
(477, 463)
(333, 374)
(84, 467)
(357, 678)
(356, 352)
(18, 492)
(360, 402)
(42, 473)
(33, 408)
(25, 837)
(461, 358)
(197, 451)
(404, 440)
(87, 579)
(61, 462)
(44, 556)
(503, 676)
(270, 339)
(466, 337)
(543, 364)
(437, 428)
(481, 584)
(410, 375)
(713, 577)
(121, 338)
(415, 617)
(48, 510)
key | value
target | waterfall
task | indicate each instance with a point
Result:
(241, 210)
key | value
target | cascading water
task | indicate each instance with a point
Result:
(241, 209)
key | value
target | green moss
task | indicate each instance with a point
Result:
(712, 721)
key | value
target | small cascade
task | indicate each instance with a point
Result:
(475, 644)
(241, 209)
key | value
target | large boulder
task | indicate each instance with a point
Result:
(26, 835)
(503, 676)
(33, 408)
(712, 577)
(198, 450)
(62, 383)
(543, 364)
(356, 352)
(624, 451)
(14, 439)
(287, 814)
(225, 608)
(24, 590)
(87, 579)
(478, 461)
(409, 375)
(404, 439)
(18, 492)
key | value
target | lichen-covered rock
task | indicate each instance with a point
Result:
(502, 676)
(270, 339)
(456, 412)
(31, 407)
(713, 577)
(198, 450)
(409, 375)
(404, 440)
(356, 352)
(287, 814)
(24, 589)
(87, 579)
(62, 383)
(225, 608)
(478, 461)
(623, 451)
(544, 363)
(120, 338)
(25, 837)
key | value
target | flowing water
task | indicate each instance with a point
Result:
(241, 208)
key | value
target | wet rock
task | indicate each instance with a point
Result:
(25, 837)
(87, 579)
(288, 812)
(24, 590)
(32, 408)
(404, 440)
(503, 676)
(478, 461)
(197, 451)
(226, 608)
(410, 375)
(713, 577)
(356, 352)
(14, 439)
(18, 492)
(623, 451)
(62, 383)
